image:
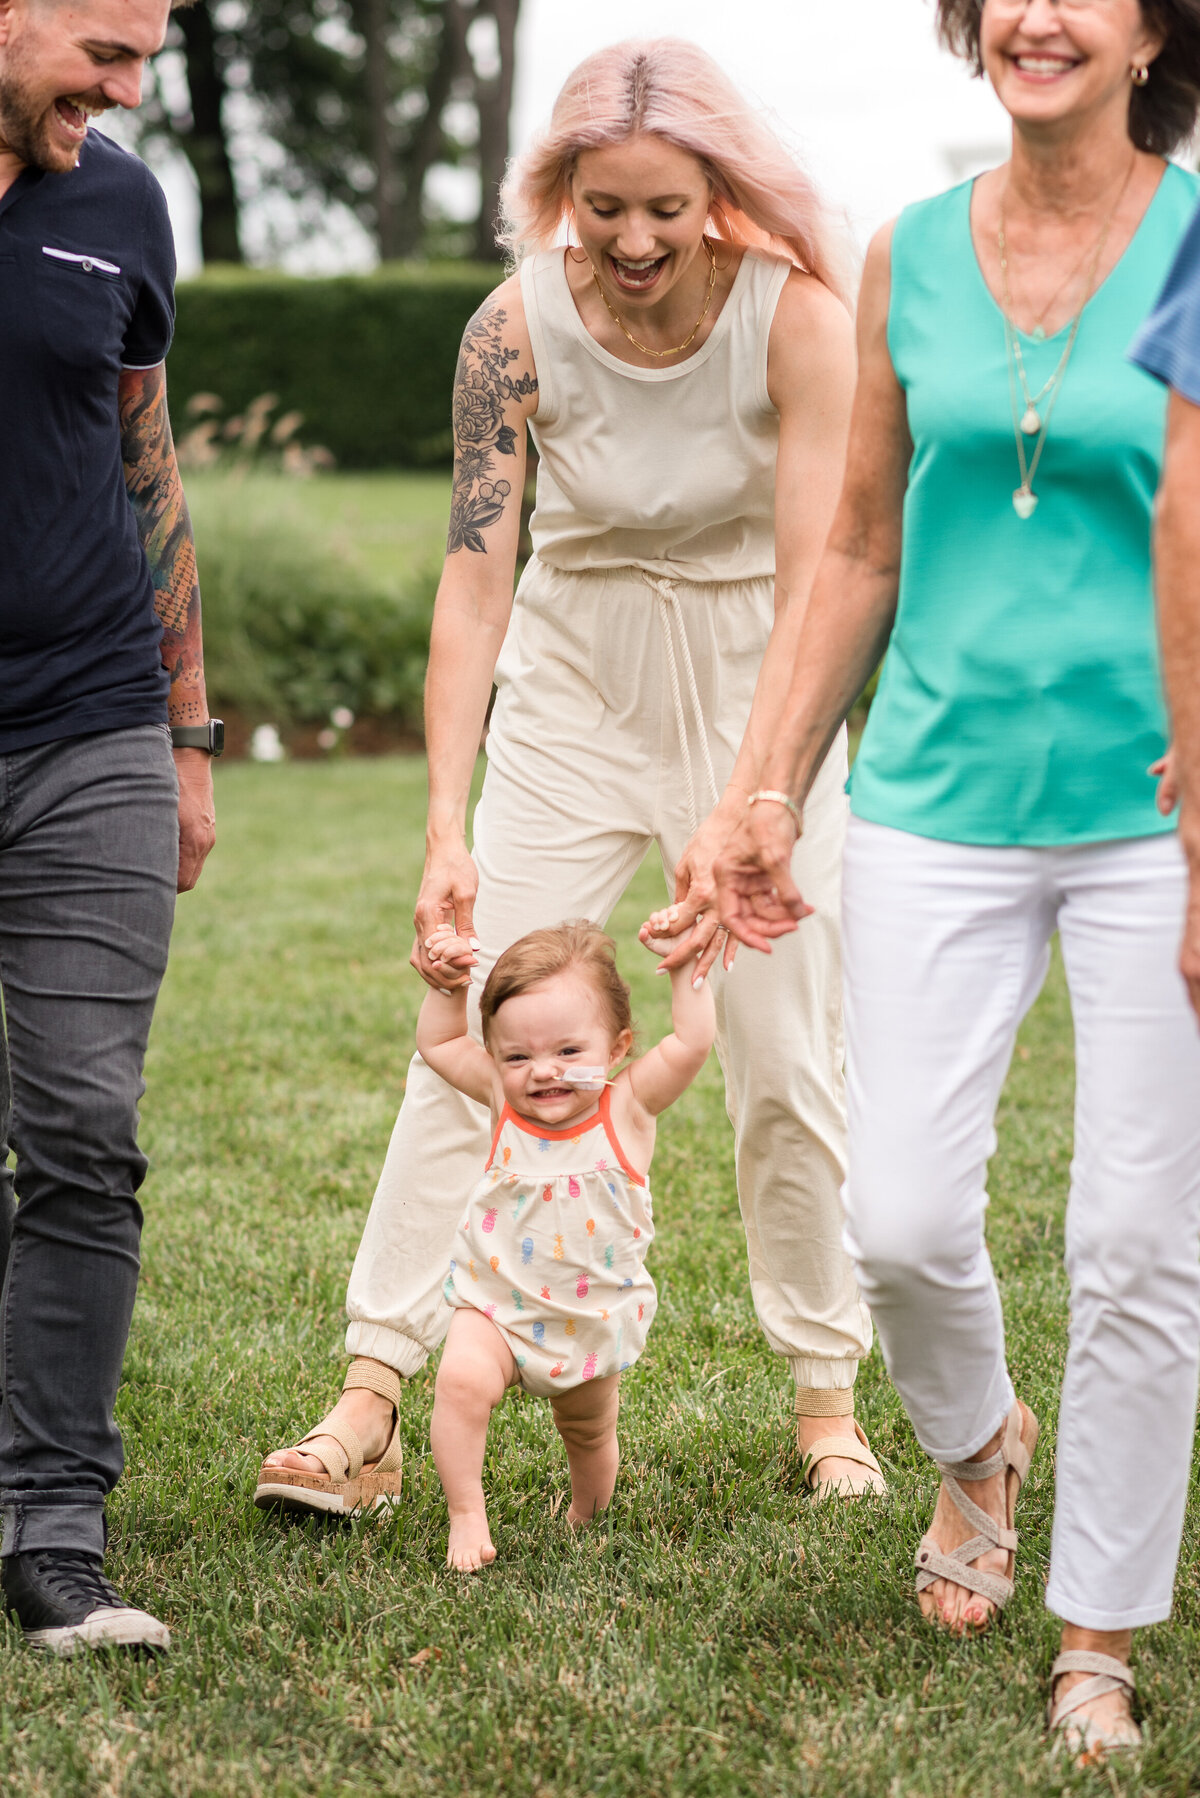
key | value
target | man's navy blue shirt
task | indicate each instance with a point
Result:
(87, 270)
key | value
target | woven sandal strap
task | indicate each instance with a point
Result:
(1119, 1680)
(932, 1564)
(1012, 1453)
(332, 1429)
(1086, 1660)
(973, 1470)
(997, 1535)
(845, 1449)
(364, 1375)
(1016, 1453)
(392, 1457)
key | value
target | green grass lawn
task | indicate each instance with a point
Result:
(718, 1635)
(395, 521)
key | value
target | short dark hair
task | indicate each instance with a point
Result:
(543, 954)
(1162, 115)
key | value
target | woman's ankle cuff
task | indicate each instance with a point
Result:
(830, 1402)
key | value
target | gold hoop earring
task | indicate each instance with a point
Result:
(1141, 74)
(571, 247)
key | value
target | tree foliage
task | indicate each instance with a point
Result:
(336, 101)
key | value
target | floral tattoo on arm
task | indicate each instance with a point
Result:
(156, 495)
(482, 387)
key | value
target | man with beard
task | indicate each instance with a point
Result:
(105, 777)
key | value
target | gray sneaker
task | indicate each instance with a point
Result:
(64, 1604)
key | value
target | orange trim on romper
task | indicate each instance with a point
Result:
(496, 1135)
(508, 1115)
(606, 1115)
(602, 1116)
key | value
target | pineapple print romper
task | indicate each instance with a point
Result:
(552, 1249)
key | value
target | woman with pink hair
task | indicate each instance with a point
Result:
(684, 363)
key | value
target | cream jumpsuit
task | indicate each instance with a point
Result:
(623, 690)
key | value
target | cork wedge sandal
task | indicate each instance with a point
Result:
(870, 1483)
(349, 1484)
(1012, 1457)
(1090, 1742)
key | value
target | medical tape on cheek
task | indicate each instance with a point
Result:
(585, 1080)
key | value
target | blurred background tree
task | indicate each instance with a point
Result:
(346, 102)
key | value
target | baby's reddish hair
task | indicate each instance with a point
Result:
(543, 954)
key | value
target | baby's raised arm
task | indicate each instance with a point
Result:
(445, 1044)
(657, 1078)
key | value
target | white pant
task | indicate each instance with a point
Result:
(946, 947)
(584, 771)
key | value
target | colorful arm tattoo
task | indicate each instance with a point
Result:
(483, 388)
(156, 495)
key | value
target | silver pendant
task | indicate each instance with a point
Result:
(1038, 334)
(1024, 502)
(1031, 422)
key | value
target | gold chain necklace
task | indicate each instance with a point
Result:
(1030, 420)
(645, 347)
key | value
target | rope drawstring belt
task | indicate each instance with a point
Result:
(671, 618)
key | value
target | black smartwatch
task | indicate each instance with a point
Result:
(210, 736)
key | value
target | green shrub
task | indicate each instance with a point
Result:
(368, 360)
(294, 625)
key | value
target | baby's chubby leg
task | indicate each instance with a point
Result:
(476, 1370)
(586, 1418)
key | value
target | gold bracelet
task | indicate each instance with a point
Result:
(783, 799)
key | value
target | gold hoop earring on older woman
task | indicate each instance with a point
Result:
(1140, 73)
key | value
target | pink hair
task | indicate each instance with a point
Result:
(675, 90)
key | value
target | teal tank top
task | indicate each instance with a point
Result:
(1020, 700)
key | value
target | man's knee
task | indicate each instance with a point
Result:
(83, 1141)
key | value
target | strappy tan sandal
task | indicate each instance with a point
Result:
(869, 1483)
(1013, 1456)
(1089, 1741)
(348, 1484)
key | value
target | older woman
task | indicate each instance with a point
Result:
(995, 529)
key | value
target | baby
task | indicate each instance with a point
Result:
(548, 1279)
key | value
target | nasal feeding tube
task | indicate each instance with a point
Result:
(584, 1080)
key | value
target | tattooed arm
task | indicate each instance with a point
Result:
(495, 393)
(156, 495)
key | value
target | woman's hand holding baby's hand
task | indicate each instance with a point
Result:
(450, 956)
(699, 943)
(689, 934)
(446, 902)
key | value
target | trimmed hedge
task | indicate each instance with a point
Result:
(368, 359)
(294, 623)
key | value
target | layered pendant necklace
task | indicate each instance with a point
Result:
(1032, 412)
(679, 347)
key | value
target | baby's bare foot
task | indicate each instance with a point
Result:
(470, 1545)
(582, 1520)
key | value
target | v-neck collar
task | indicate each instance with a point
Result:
(1110, 281)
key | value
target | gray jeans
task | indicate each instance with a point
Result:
(88, 854)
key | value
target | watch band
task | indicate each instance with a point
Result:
(209, 736)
